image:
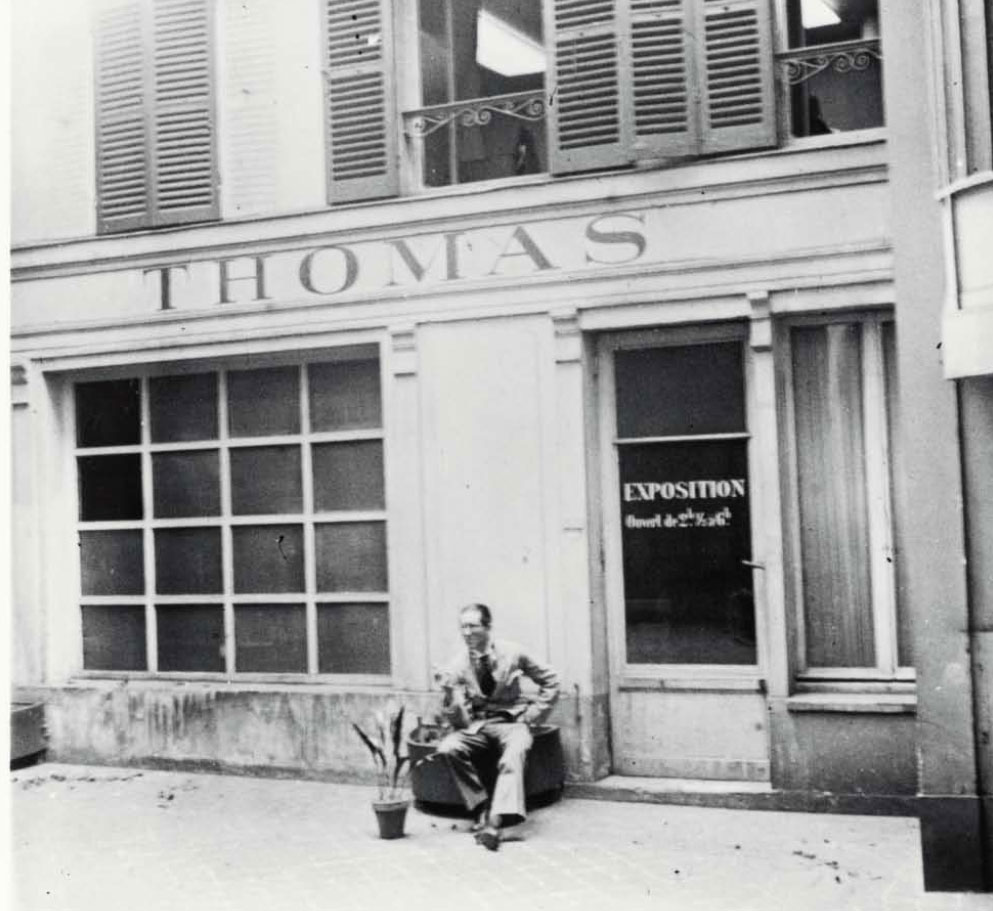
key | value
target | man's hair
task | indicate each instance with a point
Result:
(485, 614)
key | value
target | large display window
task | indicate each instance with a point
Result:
(233, 520)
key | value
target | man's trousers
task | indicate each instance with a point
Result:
(509, 741)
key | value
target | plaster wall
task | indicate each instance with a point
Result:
(484, 406)
(52, 149)
(843, 752)
(26, 627)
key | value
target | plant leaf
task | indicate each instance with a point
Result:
(377, 754)
(381, 730)
(396, 732)
(397, 768)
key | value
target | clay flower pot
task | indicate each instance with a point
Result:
(391, 816)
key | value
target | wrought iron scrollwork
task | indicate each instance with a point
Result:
(849, 57)
(475, 113)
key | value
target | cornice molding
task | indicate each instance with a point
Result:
(784, 171)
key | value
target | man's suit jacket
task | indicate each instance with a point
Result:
(510, 665)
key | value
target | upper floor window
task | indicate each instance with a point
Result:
(155, 135)
(498, 88)
(482, 75)
(432, 93)
(833, 67)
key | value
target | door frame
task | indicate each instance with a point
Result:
(689, 678)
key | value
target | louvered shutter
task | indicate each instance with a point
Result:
(663, 78)
(736, 74)
(183, 90)
(360, 100)
(124, 192)
(156, 147)
(588, 111)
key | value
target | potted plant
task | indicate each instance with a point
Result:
(391, 768)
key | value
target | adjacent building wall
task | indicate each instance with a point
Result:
(930, 487)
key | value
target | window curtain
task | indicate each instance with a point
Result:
(834, 527)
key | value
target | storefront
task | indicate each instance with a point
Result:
(272, 458)
(634, 319)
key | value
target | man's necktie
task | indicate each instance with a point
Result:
(484, 674)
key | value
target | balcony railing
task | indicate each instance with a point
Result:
(478, 139)
(802, 64)
(833, 87)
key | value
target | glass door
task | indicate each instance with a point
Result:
(686, 691)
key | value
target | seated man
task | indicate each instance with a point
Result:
(484, 703)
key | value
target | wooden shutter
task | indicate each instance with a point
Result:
(184, 147)
(360, 100)
(663, 78)
(124, 192)
(736, 74)
(588, 113)
(156, 149)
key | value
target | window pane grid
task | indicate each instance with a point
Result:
(136, 449)
(289, 530)
(227, 567)
(151, 625)
(696, 438)
(310, 568)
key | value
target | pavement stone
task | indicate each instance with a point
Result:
(87, 838)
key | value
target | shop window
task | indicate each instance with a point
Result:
(244, 519)
(114, 637)
(111, 562)
(264, 646)
(186, 484)
(684, 501)
(156, 146)
(840, 376)
(190, 637)
(833, 66)
(352, 638)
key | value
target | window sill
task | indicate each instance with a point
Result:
(854, 703)
(707, 681)
(244, 683)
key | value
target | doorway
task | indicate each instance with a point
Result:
(686, 691)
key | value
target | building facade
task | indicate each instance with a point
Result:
(329, 316)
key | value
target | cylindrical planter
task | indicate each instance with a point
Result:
(391, 815)
(434, 786)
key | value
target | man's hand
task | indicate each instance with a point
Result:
(531, 714)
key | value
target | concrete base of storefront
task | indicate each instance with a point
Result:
(740, 795)
(838, 745)
(267, 730)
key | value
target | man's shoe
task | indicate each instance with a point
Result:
(489, 838)
(480, 817)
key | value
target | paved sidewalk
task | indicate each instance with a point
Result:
(109, 839)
